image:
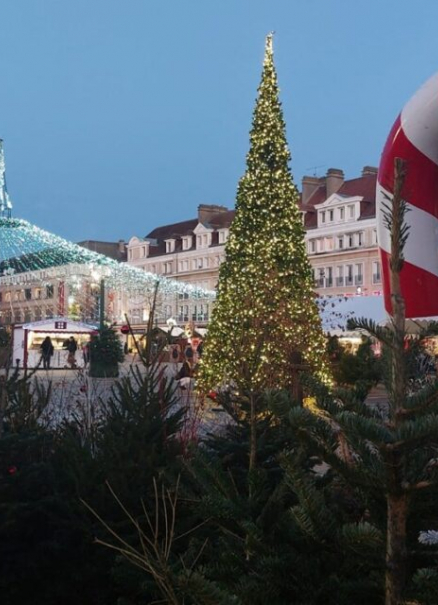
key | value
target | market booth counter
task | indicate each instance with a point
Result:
(27, 340)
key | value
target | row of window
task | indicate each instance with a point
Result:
(27, 294)
(344, 275)
(339, 242)
(193, 264)
(341, 214)
(197, 312)
(26, 315)
(203, 240)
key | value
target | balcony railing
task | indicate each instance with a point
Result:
(339, 281)
(349, 280)
(329, 282)
(377, 278)
(358, 280)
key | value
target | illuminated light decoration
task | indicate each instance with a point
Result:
(414, 138)
(30, 256)
(5, 202)
(266, 309)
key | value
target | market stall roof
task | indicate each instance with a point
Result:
(336, 311)
(201, 332)
(59, 324)
(175, 330)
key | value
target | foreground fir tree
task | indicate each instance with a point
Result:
(389, 454)
(265, 311)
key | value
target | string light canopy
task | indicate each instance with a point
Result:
(30, 256)
(26, 249)
(5, 202)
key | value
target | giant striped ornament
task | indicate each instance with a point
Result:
(414, 138)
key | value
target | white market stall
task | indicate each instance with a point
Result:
(336, 311)
(27, 339)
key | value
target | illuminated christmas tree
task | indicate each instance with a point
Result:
(266, 316)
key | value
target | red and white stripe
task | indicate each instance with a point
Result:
(414, 138)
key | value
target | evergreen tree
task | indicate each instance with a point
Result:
(265, 309)
(106, 352)
(389, 453)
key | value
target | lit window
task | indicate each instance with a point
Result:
(377, 278)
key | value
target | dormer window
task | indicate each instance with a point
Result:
(351, 212)
(203, 240)
(342, 213)
(170, 245)
(330, 216)
(322, 216)
(187, 242)
(223, 235)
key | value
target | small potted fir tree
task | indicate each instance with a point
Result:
(5, 347)
(106, 352)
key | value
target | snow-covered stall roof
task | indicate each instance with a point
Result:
(336, 311)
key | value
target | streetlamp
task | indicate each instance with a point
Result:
(97, 276)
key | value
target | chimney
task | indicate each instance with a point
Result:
(369, 170)
(122, 246)
(309, 185)
(333, 180)
(207, 211)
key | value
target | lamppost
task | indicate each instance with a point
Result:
(97, 276)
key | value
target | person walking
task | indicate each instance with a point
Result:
(47, 350)
(72, 347)
(86, 353)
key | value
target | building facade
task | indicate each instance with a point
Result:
(190, 251)
(340, 221)
(341, 233)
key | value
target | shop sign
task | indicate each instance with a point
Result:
(60, 325)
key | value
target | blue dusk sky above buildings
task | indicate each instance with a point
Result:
(120, 116)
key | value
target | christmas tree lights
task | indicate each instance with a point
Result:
(265, 311)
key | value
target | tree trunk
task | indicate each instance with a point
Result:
(396, 553)
(253, 434)
(396, 500)
(3, 402)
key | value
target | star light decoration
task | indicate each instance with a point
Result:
(29, 255)
(266, 312)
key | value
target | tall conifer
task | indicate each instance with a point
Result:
(265, 310)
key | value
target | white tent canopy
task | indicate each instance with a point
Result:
(336, 311)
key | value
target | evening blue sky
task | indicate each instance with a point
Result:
(120, 116)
